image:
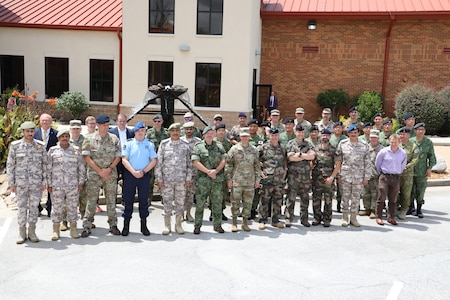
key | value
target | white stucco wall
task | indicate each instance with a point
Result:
(235, 50)
(79, 46)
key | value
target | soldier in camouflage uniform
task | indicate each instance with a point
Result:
(189, 117)
(191, 140)
(336, 138)
(272, 156)
(236, 129)
(289, 134)
(410, 120)
(422, 170)
(355, 173)
(209, 158)
(255, 140)
(378, 122)
(299, 154)
(314, 139)
(370, 191)
(156, 134)
(66, 177)
(326, 120)
(221, 137)
(102, 153)
(299, 119)
(242, 173)
(325, 169)
(366, 128)
(406, 178)
(386, 133)
(353, 120)
(26, 169)
(173, 174)
(275, 120)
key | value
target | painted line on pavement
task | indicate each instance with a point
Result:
(4, 229)
(395, 290)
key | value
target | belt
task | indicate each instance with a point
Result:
(390, 174)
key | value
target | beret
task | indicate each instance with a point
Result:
(242, 115)
(157, 116)
(252, 121)
(102, 119)
(139, 125)
(274, 130)
(299, 127)
(352, 128)
(207, 128)
(220, 126)
(288, 120)
(325, 131)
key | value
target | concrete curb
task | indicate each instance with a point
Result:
(438, 182)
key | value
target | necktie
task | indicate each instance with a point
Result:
(44, 138)
(271, 101)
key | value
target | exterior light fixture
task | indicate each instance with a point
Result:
(312, 25)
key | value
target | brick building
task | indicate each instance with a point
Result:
(356, 46)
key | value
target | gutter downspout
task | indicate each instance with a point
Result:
(119, 35)
(386, 57)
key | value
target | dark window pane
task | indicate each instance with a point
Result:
(209, 17)
(11, 72)
(217, 5)
(56, 76)
(216, 23)
(101, 80)
(161, 16)
(207, 85)
(160, 72)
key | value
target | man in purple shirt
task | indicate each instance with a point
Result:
(390, 163)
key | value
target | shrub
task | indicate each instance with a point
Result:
(426, 105)
(73, 102)
(369, 103)
(334, 99)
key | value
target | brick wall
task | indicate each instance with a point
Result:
(351, 57)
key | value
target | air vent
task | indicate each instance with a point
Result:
(310, 49)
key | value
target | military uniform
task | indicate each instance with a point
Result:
(299, 181)
(209, 156)
(322, 126)
(334, 141)
(347, 123)
(427, 159)
(306, 126)
(197, 133)
(103, 151)
(190, 190)
(243, 169)
(323, 168)
(156, 137)
(26, 170)
(284, 138)
(280, 127)
(235, 132)
(314, 143)
(66, 172)
(355, 168)
(226, 143)
(407, 177)
(384, 138)
(82, 200)
(370, 190)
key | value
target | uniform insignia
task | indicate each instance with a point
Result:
(146, 147)
(73, 151)
(37, 147)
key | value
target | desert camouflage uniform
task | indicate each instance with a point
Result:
(82, 199)
(243, 169)
(226, 143)
(273, 160)
(280, 127)
(103, 151)
(323, 168)
(26, 169)
(355, 168)
(156, 137)
(322, 126)
(256, 140)
(334, 141)
(427, 160)
(190, 190)
(210, 156)
(299, 180)
(370, 190)
(66, 171)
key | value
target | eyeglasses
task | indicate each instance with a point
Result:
(91, 124)
(188, 119)
(157, 121)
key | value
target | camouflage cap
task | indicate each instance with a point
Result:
(375, 133)
(75, 123)
(27, 125)
(174, 126)
(62, 132)
(188, 124)
(244, 131)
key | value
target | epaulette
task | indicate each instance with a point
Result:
(40, 142)
(164, 141)
(16, 142)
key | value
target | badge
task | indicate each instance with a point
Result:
(37, 147)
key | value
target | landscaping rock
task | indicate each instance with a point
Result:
(440, 166)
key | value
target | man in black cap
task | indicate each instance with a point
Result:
(378, 122)
(313, 138)
(353, 120)
(410, 120)
(406, 179)
(255, 138)
(289, 134)
(102, 153)
(366, 130)
(386, 133)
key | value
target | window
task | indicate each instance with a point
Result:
(11, 72)
(162, 16)
(207, 85)
(160, 72)
(56, 76)
(209, 17)
(101, 80)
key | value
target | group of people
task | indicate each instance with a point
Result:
(254, 166)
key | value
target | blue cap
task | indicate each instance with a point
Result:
(387, 121)
(404, 129)
(407, 116)
(207, 128)
(252, 121)
(102, 119)
(352, 127)
(325, 131)
(336, 124)
(139, 125)
(354, 108)
(419, 125)
(242, 115)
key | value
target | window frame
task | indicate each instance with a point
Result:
(56, 74)
(163, 11)
(106, 93)
(162, 77)
(211, 11)
(212, 86)
(12, 72)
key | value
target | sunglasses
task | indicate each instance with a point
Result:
(218, 119)
(157, 121)
(188, 119)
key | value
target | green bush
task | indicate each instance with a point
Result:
(424, 103)
(369, 103)
(334, 99)
(73, 102)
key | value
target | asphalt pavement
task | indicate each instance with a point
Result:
(408, 261)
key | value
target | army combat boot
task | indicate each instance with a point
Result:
(234, 225)
(63, 226)
(166, 230)
(144, 228)
(189, 217)
(22, 235)
(73, 230)
(244, 225)
(55, 235)
(344, 219)
(178, 220)
(32, 234)
(354, 221)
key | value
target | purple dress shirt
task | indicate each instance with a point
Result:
(388, 162)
